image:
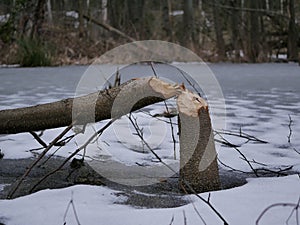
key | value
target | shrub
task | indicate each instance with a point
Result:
(32, 53)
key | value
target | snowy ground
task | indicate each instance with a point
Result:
(259, 100)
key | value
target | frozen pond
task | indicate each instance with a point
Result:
(259, 100)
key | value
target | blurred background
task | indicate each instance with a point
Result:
(62, 32)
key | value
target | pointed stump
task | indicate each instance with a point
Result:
(198, 158)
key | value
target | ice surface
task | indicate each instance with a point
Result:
(259, 99)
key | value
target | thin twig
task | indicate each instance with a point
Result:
(172, 220)
(99, 132)
(229, 167)
(10, 195)
(198, 213)
(184, 218)
(296, 150)
(243, 156)
(38, 139)
(295, 207)
(71, 203)
(290, 129)
(204, 200)
(242, 135)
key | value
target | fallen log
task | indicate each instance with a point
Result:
(89, 108)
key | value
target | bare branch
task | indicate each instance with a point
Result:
(71, 203)
(10, 195)
(293, 205)
(99, 132)
(243, 156)
(290, 129)
(38, 139)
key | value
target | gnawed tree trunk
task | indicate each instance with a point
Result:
(199, 169)
(198, 158)
(61, 113)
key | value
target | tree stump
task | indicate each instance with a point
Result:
(198, 162)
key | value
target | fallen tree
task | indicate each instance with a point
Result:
(61, 113)
(199, 169)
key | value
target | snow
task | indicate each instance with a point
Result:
(101, 205)
(258, 103)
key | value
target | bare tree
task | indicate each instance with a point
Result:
(219, 31)
(188, 24)
(292, 33)
(38, 18)
(254, 32)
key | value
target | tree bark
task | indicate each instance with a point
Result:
(235, 35)
(188, 24)
(219, 31)
(292, 34)
(62, 113)
(81, 22)
(254, 33)
(38, 18)
(198, 157)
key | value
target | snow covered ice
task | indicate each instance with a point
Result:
(259, 99)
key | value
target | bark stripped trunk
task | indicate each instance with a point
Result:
(198, 158)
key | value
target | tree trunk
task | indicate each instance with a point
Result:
(235, 30)
(81, 21)
(292, 34)
(253, 47)
(198, 158)
(219, 31)
(166, 19)
(38, 18)
(62, 113)
(49, 11)
(188, 24)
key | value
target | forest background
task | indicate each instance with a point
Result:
(62, 32)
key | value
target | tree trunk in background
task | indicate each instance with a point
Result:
(81, 21)
(166, 19)
(38, 18)
(219, 31)
(292, 34)
(104, 10)
(254, 32)
(188, 24)
(49, 11)
(235, 15)
(134, 17)
(115, 13)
